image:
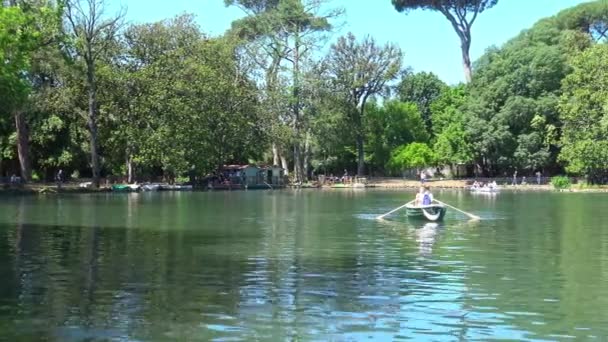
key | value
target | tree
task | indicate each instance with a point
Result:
(422, 89)
(584, 112)
(26, 28)
(286, 32)
(360, 70)
(414, 155)
(182, 103)
(389, 126)
(460, 13)
(92, 34)
(512, 107)
(17, 44)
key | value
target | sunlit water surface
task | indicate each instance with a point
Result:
(307, 265)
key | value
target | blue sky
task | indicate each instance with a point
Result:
(427, 38)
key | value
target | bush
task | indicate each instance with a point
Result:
(561, 182)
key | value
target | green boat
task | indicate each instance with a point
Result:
(432, 212)
(125, 187)
(121, 188)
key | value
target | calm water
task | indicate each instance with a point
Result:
(307, 265)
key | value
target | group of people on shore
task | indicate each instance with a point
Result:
(481, 185)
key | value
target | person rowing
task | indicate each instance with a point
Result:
(427, 196)
(423, 196)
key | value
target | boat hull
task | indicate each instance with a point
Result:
(431, 213)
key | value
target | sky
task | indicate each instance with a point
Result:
(426, 38)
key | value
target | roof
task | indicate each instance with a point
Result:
(242, 167)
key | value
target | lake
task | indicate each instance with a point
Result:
(301, 265)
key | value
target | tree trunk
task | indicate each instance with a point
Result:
(297, 162)
(360, 112)
(92, 121)
(130, 173)
(465, 46)
(306, 156)
(275, 155)
(360, 156)
(23, 146)
(284, 164)
(297, 150)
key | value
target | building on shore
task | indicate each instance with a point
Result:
(249, 176)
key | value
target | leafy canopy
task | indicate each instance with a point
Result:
(414, 155)
(461, 6)
(584, 112)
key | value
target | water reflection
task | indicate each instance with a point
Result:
(426, 236)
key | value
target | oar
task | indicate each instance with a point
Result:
(474, 217)
(392, 211)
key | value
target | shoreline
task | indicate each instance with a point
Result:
(383, 184)
(450, 184)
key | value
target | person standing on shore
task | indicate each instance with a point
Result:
(422, 177)
(538, 174)
(514, 178)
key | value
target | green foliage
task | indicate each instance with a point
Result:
(389, 126)
(414, 155)
(15, 47)
(561, 182)
(185, 103)
(452, 141)
(422, 89)
(513, 104)
(584, 113)
(444, 5)
(23, 30)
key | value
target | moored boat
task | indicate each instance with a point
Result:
(125, 187)
(431, 212)
(175, 187)
(121, 188)
(151, 187)
(484, 189)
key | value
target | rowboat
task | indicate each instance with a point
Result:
(431, 212)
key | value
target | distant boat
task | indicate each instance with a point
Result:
(357, 185)
(166, 187)
(484, 189)
(125, 187)
(432, 212)
(150, 187)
